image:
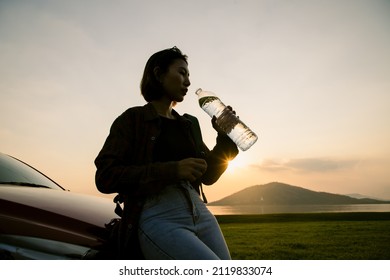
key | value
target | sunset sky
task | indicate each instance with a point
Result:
(311, 78)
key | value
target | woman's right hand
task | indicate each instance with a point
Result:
(191, 168)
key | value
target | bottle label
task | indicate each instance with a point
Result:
(207, 99)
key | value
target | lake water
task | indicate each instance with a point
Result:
(256, 209)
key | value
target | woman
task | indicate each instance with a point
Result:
(156, 159)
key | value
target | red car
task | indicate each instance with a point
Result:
(41, 220)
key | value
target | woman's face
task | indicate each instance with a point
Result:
(176, 80)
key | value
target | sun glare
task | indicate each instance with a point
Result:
(235, 164)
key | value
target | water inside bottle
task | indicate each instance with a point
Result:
(243, 136)
(211, 105)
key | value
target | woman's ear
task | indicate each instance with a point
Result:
(157, 74)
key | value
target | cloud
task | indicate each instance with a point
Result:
(306, 164)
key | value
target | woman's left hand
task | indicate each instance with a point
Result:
(215, 124)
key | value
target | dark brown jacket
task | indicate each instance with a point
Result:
(125, 163)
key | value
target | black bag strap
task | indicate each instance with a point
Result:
(196, 133)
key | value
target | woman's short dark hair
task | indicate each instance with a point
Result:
(151, 88)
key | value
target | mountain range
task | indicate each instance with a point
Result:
(276, 193)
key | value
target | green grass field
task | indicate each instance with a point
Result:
(314, 236)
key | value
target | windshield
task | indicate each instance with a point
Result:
(16, 172)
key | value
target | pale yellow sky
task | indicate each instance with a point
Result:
(311, 78)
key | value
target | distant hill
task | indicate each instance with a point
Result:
(282, 194)
(358, 195)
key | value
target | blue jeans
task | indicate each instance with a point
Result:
(176, 224)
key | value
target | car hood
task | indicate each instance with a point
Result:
(87, 208)
(55, 214)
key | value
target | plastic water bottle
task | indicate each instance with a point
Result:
(226, 120)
